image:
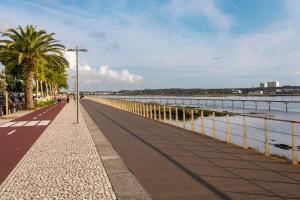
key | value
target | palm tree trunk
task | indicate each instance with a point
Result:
(47, 93)
(42, 93)
(36, 89)
(28, 90)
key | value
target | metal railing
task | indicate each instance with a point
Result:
(170, 114)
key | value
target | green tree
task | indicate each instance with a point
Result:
(26, 47)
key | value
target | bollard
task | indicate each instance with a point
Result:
(192, 120)
(294, 144)
(228, 136)
(214, 134)
(155, 112)
(267, 145)
(245, 133)
(202, 123)
(176, 117)
(151, 116)
(183, 118)
(159, 113)
(170, 115)
(165, 116)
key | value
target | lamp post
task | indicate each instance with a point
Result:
(77, 79)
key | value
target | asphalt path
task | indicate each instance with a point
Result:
(172, 163)
(18, 135)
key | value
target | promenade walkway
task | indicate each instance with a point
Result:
(172, 163)
(62, 164)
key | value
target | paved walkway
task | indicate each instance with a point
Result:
(172, 163)
(62, 164)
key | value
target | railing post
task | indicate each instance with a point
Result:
(192, 120)
(155, 118)
(214, 134)
(144, 109)
(151, 116)
(228, 136)
(183, 118)
(294, 144)
(147, 110)
(202, 123)
(176, 117)
(267, 145)
(159, 113)
(170, 115)
(245, 133)
(165, 117)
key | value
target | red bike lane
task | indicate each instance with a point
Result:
(18, 135)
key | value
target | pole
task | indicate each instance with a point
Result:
(77, 85)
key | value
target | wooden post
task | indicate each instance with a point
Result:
(202, 123)
(294, 144)
(165, 116)
(159, 113)
(245, 133)
(151, 116)
(228, 136)
(144, 109)
(155, 118)
(267, 145)
(183, 118)
(214, 134)
(176, 117)
(6, 104)
(192, 120)
(170, 115)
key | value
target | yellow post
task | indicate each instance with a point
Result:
(155, 112)
(228, 136)
(202, 123)
(192, 120)
(147, 110)
(214, 134)
(6, 103)
(170, 115)
(176, 117)
(294, 144)
(165, 116)
(144, 109)
(267, 145)
(245, 133)
(151, 116)
(159, 113)
(183, 118)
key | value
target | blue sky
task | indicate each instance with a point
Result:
(136, 44)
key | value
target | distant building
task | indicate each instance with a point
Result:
(270, 84)
(273, 84)
(263, 85)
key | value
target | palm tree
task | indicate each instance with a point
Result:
(27, 47)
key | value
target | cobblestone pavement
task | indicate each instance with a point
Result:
(62, 164)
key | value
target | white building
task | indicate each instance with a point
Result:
(263, 85)
(270, 84)
(273, 84)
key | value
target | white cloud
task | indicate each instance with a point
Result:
(90, 75)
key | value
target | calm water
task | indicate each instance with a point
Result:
(279, 132)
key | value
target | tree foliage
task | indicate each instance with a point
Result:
(28, 53)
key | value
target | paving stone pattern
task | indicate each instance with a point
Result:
(62, 164)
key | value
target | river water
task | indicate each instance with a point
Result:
(279, 132)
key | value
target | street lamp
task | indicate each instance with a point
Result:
(77, 78)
